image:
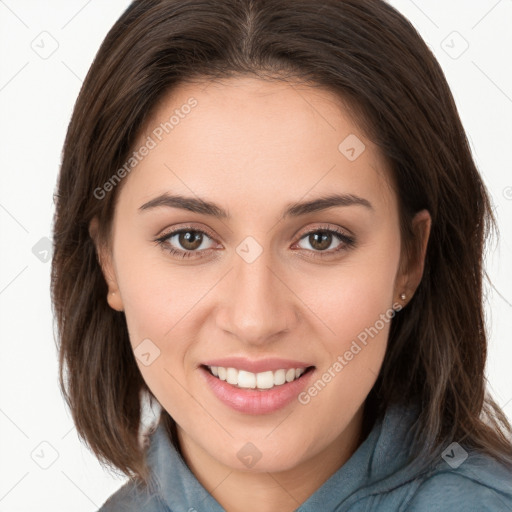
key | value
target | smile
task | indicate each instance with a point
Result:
(258, 392)
(263, 380)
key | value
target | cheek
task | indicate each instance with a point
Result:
(352, 296)
(355, 305)
(158, 304)
(157, 298)
(156, 293)
(357, 313)
(360, 315)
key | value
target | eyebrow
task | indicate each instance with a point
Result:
(202, 206)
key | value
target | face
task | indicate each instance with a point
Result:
(255, 270)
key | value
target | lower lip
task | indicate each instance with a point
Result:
(252, 401)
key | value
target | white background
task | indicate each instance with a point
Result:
(36, 99)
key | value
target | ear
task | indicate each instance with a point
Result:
(105, 260)
(412, 262)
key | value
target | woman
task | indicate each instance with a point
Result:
(270, 223)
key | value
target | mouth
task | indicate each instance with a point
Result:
(261, 381)
(261, 386)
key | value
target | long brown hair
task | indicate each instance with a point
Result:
(373, 59)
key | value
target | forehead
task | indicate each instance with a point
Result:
(248, 137)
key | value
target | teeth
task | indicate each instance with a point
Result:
(290, 375)
(246, 379)
(231, 376)
(279, 377)
(265, 380)
(262, 380)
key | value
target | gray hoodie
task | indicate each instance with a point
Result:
(375, 478)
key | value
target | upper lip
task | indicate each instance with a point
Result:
(257, 366)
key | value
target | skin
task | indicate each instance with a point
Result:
(245, 140)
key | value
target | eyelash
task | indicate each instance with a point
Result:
(347, 242)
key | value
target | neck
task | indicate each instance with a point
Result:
(282, 491)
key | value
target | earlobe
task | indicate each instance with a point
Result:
(104, 256)
(114, 300)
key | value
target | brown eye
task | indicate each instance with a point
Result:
(190, 240)
(320, 240)
(186, 242)
(326, 242)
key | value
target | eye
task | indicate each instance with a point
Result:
(325, 241)
(185, 242)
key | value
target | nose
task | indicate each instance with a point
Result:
(257, 304)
